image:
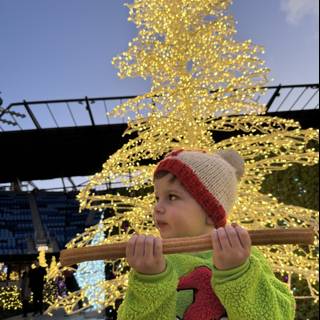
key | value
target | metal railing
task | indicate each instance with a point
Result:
(94, 111)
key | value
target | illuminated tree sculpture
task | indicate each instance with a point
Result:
(42, 258)
(203, 81)
(90, 275)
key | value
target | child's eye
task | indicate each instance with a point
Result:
(157, 199)
(172, 197)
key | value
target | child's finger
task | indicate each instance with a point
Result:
(216, 245)
(244, 237)
(233, 237)
(158, 247)
(223, 238)
(139, 249)
(130, 249)
(148, 246)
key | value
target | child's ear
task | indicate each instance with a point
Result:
(209, 221)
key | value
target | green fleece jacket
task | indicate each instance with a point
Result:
(250, 291)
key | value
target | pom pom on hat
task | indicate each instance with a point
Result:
(234, 159)
(210, 178)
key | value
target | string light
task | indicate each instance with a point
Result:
(202, 81)
(42, 258)
(14, 276)
(10, 298)
(3, 276)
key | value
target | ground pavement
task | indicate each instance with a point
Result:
(60, 315)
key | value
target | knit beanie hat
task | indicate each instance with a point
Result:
(211, 179)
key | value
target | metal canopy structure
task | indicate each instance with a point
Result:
(54, 153)
(67, 138)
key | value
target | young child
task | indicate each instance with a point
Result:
(194, 192)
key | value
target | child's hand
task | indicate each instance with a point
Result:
(144, 254)
(231, 247)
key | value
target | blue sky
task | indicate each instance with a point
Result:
(56, 49)
(61, 49)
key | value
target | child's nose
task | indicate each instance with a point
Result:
(159, 208)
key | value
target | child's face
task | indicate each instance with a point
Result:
(176, 213)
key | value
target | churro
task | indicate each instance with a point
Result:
(192, 244)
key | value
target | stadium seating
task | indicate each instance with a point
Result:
(59, 215)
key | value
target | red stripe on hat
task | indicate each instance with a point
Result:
(196, 188)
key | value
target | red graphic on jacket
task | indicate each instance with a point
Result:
(206, 305)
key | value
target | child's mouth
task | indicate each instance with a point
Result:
(162, 225)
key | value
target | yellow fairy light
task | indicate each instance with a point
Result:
(42, 258)
(202, 81)
(3, 276)
(53, 270)
(14, 276)
(10, 298)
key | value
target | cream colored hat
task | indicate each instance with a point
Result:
(211, 179)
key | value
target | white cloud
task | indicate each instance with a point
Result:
(296, 10)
